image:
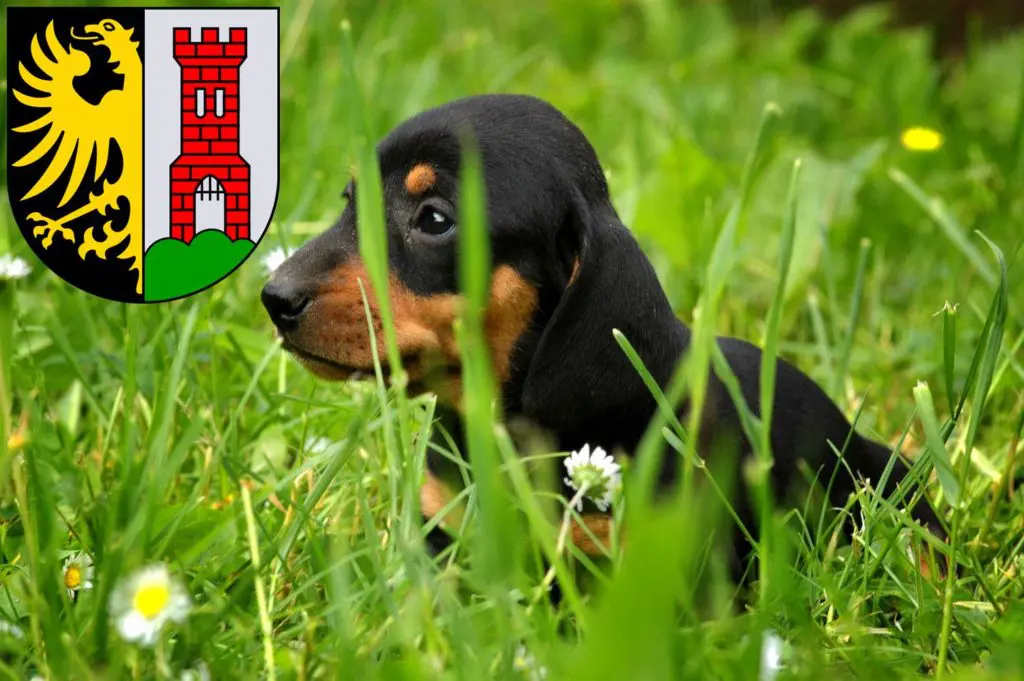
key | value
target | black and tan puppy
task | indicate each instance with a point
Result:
(566, 272)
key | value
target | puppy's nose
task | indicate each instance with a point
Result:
(285, 303)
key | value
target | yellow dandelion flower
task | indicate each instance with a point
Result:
(222, 503)
(16, 441)
(921, 139)
(146, 601)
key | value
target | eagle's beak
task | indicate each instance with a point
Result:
(91, 33)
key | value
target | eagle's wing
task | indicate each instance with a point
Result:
(76, 128)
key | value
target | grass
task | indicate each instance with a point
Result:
(180, 433)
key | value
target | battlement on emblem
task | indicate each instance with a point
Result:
(210, 50)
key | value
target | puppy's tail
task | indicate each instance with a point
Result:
(872, 462)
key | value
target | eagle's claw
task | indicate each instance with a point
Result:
(49, 228)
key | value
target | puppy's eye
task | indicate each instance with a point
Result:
(434, 222)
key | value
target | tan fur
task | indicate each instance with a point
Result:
(926, 570)
(575, 272)
(335, 327)
(513, 302)
(421, 178)
(600, 526)
(434, 496)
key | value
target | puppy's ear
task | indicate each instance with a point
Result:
(579, 382)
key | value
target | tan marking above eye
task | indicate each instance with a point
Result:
(421, 178)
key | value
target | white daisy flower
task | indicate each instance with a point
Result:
(273, 259)
(12, 630)
(317, 445)
(525, 662)
(144, 602)
(596, 473)
(12, 268)
(771, 656)
(77, 573)
(200, 672)
(399, 578)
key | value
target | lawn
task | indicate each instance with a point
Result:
(180, 434)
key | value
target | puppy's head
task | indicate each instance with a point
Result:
(543, 185)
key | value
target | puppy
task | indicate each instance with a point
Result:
(565, 272)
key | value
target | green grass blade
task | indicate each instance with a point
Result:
(500, 560)
(771, 342)
(372, 228)
(991, 349)
(854, 319)
(985, 360)
(949, 318)
(693, 370)
(936, 445)
(937, 210)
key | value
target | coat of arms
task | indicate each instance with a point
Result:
(143, 143)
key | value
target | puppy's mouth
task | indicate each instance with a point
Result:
(420, 372)
(330, 368)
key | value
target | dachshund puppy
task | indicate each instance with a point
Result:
(565, 272)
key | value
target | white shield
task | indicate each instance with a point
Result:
(211, 142)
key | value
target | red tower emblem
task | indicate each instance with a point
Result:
(210, 168)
